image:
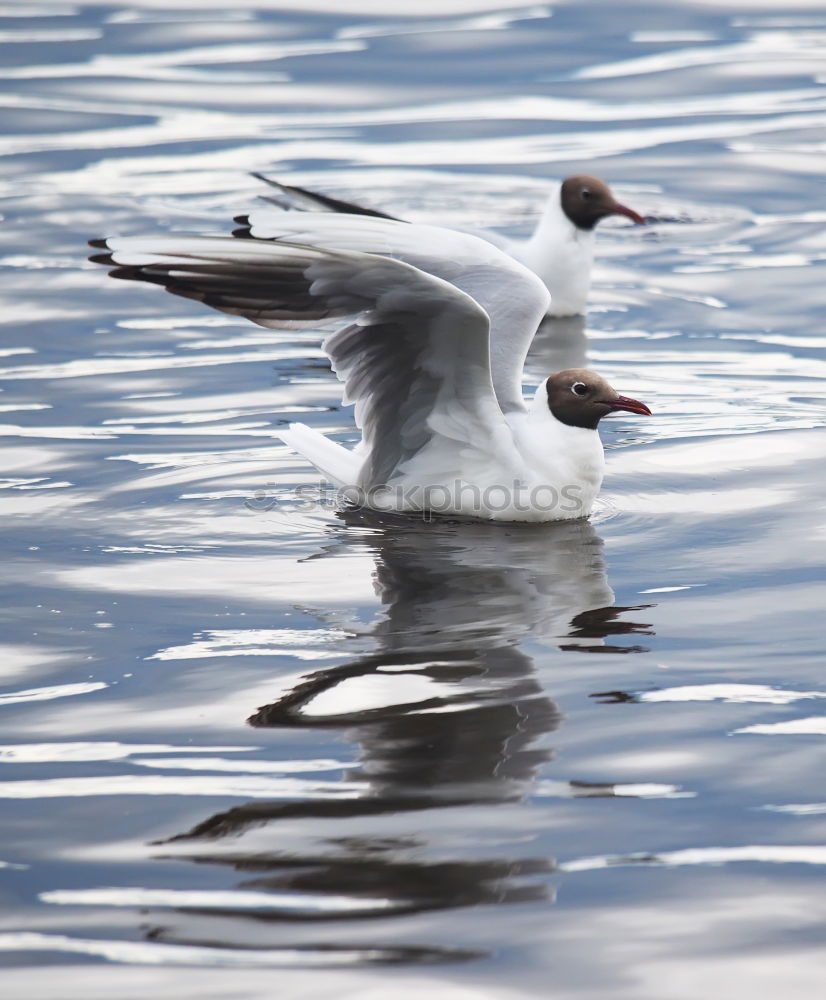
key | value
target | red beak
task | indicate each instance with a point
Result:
(630, 405)
(628, 213)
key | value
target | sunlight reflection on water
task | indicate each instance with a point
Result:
(243, 730)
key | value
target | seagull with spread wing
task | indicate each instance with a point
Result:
(439, 324)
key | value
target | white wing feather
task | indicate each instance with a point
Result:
(415, 362)
(514, 298)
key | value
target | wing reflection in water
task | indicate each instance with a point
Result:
(449, 717)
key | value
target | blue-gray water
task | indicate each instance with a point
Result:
(251, 748)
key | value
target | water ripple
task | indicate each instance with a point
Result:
(165, 954)
(308, 717)
(50, 693)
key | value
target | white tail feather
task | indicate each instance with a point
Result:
(334, 462)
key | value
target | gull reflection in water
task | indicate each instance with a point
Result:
(448, 716)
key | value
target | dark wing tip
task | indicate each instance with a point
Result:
(101, 258)
(267, 180)
(125, 273)
(244, 231)
(99, 244)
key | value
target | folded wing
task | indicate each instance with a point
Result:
(292, 198)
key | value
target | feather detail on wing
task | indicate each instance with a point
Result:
(228, 275)
(415, 362)
(514, 298)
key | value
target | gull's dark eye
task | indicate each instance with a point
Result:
(579, 389)
(585, 194)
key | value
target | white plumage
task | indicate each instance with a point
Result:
(432, 361)
(560, 250)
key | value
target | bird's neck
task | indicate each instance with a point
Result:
(554, 226)
(557, 454)
(562, 256)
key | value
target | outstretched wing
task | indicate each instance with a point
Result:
(289, 197)
(244, 279)
(415, 362)
(514, 297)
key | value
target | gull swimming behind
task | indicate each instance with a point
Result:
(560, 250)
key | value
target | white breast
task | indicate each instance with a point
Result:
(569, 460)
(544, 471)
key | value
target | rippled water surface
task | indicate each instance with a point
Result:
(252, 747)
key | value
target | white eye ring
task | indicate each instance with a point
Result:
(579, 389)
